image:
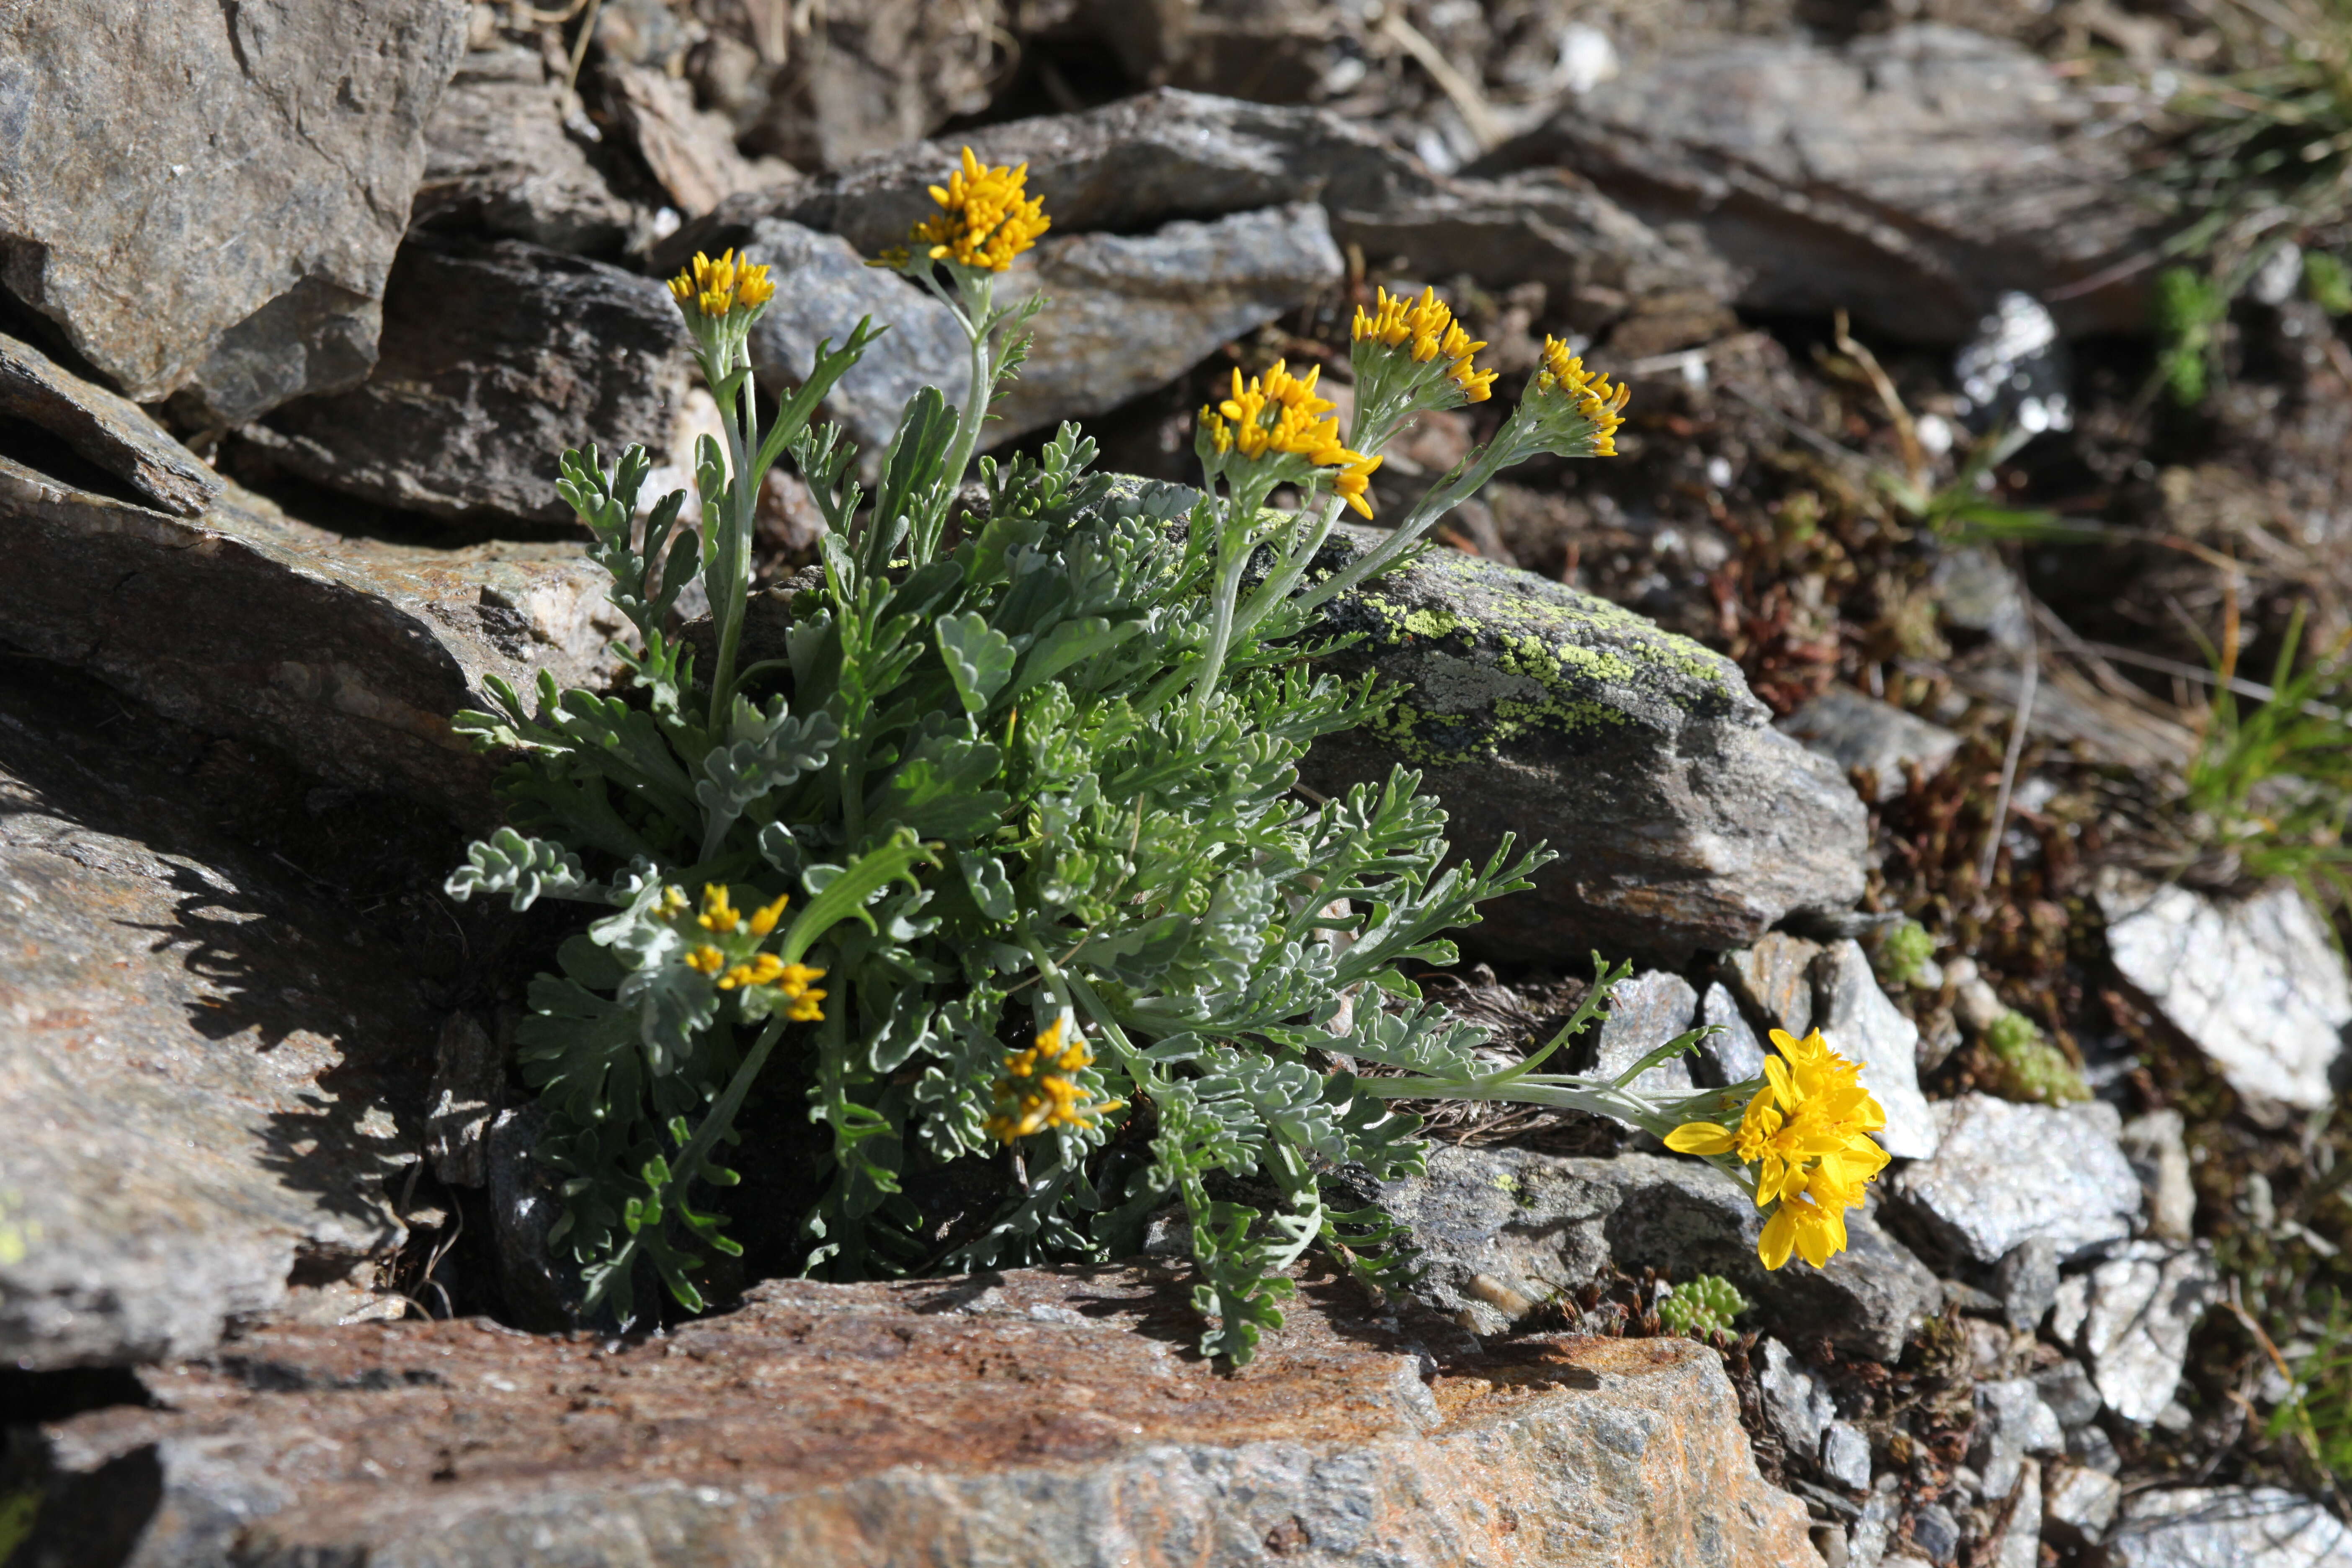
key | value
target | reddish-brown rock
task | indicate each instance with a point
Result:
(1033, 1418)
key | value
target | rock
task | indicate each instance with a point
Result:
(498, 161)
(1733, 1055)
(859, 79)
(496, 358)
(1682, 819)
(541, 1291)
(211, 1070)
(347, 653)
(1858, 731)
(1798, 1407)
(2077, 1504)
(1855, 1015)
(1547, 1224)
(1909, 176)
(2012, 1423)
(1342, 1443)
(1975, 592)
(2256, 983)
(2139, 1308)
(112, 433)
(2019, 1545)
(1774, 981)
(1137, 163)
(1866, 1537)
(1936, 1532)
(2015, 373)
(691, 151)
(468, 1081)
(2228, 1527)
(1644, 1013)
(1846, 1456)
(2006, 1173)
(2157, 1145)
(2027, 1282)
(206, 198)
(2068, 1393)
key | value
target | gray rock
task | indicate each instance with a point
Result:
(541, 1291)
(2091, 1448)
(211, 1073)
(2139, 1309)
(2068, 1393)
(1683, 820)
(2012, 1424)
(1644, 1013)
(690, 149)
(2006, 1173)
(1858, 731)
(347, 653)
(2255, 984)
(1910, 176)
(1774, 981)
(847, 81)
(2157, 1145)
(1846, 1456)
(111, 432)
(1975, 592)
(1936, 1532)
(2078, 1504)
(1798, 1407)
(468, 1082)
(1732, 1056)
(474, 1447)
(2019, 1545)
(2027, 1282)
(2228, 1527)
(207, 197)
(1866, 1537)
(1546, 1224)
(498, 161)
(1860, 1025)
(495, 359)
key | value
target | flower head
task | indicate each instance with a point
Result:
(1276, 415)
(986, 218)
(713, 289)
(1040, 1089)
(1806, 1134)
(727, 949)
(1580, 409)
(1426, 331)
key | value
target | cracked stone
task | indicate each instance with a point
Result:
(1855, 1015)
(2139, 1309)
(2008, 1172)
(2228, 1527)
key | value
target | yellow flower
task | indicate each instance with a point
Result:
(706, 958)
(764, 920)
(1806, 1134)
(986, 218)
(1597, 401)
(1036, 1091)
(715, 288)
(1426, 329)
(1279, 413)
(717, 914)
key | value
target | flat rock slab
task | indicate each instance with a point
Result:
(495, 358)
(2255, 984)
(1857, 732)
(348, 653)
(211, 1072)
(2228, 1527)
(1683, 820)
(1040, 1417)
(2007, 1174)
(208, 197)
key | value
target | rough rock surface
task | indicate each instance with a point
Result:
(1543, 1224)
(210, 1070)
(2006, 1173)
(1773, 980)
(2132, 1317)
(1682, 819)
(498, 161)
(495, 360)
(1645, 1011)
(1732, 1056)
(1857, 1020)
(1858, 731)
(1083, 1432)
(2228, 1527)
(1129, 313)
(2256, 984)
(112, 433)
(349, 655)
(1908, 176)
(208, 197)
(1167, 154)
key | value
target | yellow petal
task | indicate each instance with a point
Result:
(1699, 1138)
(1779, 1239)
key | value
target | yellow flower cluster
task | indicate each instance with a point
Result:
(1596, 400)
(986, 218)
(721, 919)
(1279, 413)
(1807, 1131)
(1427, 330)
(715, 288)
(1037, 1093)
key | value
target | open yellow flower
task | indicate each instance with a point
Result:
(1279, 415)
(714, 288)
(987, 219)
(1806, 1133)
(1425, 329)
(1038, 1089)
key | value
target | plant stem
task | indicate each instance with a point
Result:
(736, 509)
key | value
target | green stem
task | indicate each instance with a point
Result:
(974, 413)
(1236, 545)
(1443, 497)
(735, 541)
